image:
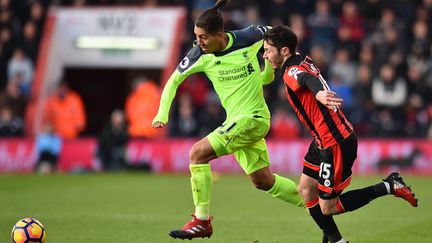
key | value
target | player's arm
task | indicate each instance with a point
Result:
(322, 94)
(167, 97)
(191, 64)
(267, 75)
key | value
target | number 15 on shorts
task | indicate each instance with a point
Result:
(325, 173)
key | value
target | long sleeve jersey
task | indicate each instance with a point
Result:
(234, 72)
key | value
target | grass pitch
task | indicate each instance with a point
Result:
(133, 208)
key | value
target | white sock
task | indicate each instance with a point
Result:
(202, 212)
(387, 185)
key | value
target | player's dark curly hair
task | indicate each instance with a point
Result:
(281, 36)
(211, 19)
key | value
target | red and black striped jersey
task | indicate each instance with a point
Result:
(328, 126)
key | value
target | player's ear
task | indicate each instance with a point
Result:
(285, 51)
(220, 34)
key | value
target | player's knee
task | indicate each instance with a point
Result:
(263, 183)
(307, 193)
(196, 153)
(326, 210)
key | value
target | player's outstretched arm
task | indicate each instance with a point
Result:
(167, 97)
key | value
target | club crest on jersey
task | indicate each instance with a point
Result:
(184, 63)
(294, 71)
(245, 55)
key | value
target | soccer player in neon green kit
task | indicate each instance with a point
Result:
(229, 59)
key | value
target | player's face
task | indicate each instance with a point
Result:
(275, 57)
(209, 43)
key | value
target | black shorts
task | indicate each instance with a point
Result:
(331, 167)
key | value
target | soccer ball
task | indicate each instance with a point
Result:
(28, 230)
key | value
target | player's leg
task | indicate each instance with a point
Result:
(335, 176)
(277, 186)
(250, 150)
(308, 188)
(263, 179)
(201, 176)
(221, 141)
(201, 182)
(355, 199)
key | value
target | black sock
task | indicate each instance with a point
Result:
(380, 189)
(355, 199)
(326, 223)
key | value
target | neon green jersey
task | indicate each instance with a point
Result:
(234, 72)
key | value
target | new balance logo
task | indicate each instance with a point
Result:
(245, 54)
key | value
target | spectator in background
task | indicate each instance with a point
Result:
(10, 125)
(185, 125)
(388, 19)
(366, 56)
(399, 34)
(230, 24)
(20, 68)
(29, 41)
(371, 10)
(418, 85)
(213, 115)
(423, 10)
(7, 45)
(343, 68)
(284, 125)
(364, 105)
(37, 17)
(318, 54)
(197, 87)
(389, 93)
(112, 143)
(280, 9)
(9, 20)
(419, 49)
(141, 106)
(392, 42)
(251, 16)
(344, 91)
(415, 123)
(48, 148)
(323, 27)
(65, 110)
(11, 97)
(298, 25)
(388, 90)
(351, 28)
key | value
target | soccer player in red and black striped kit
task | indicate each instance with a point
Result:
(328, 162)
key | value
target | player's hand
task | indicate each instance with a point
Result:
(158, 124)
(329, 99)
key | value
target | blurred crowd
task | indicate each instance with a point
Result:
(376, 54)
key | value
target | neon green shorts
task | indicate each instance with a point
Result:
(243, 136)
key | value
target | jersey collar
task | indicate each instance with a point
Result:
(230, 41)
(291, 61)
